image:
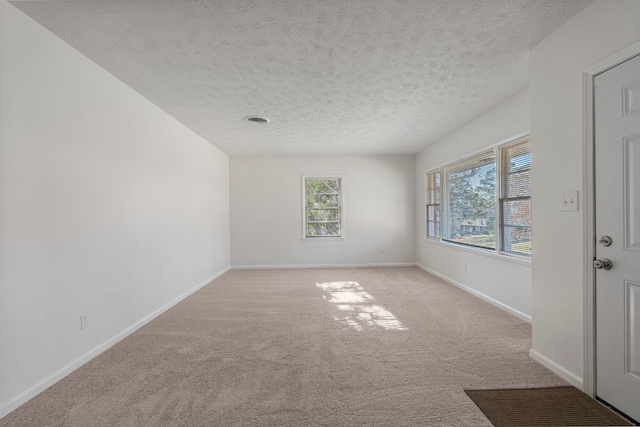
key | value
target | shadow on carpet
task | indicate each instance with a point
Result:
(556, 406)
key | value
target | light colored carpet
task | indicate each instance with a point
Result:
(316, 347)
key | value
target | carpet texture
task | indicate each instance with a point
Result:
(557, 406)
(304, 347)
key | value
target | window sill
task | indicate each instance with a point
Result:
(514, 259)
(322, 239)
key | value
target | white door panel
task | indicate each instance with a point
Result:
(632, 191)
(617, 211)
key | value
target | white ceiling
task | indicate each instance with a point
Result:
(334, 76)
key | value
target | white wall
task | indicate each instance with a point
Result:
(266, 211)
(108, 208)
(499, 279)
(557, 131)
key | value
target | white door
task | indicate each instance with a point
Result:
(617, 171)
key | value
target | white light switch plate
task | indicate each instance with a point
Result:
(569, 201)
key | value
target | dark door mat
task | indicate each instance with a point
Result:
(556, 406)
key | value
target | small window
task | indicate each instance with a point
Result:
(433, 204)
(471, 201)
(515, 198)
(322, 206)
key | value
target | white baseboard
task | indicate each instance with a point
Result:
(29, 394)
(558, 369)
(292, 266)
(478, 294)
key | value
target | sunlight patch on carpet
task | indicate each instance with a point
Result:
(357, 309)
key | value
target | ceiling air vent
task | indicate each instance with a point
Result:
(260, 120)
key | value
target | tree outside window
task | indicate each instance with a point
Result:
(322, 207)
(484, 201)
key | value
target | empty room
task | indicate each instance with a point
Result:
(319, 212)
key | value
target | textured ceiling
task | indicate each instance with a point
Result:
(334, 76)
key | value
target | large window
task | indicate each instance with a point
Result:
(484, 201)
(471, 201)
(322, 206)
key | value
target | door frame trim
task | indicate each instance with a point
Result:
(589, 384)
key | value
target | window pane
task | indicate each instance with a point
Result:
(518, 156)
(433, 212)
(517, 240)
(431, 196)
(474, 232)
(328, 214)
(322, 199)
(472, 210)
(322, 186)
(433, 203)
(516, 170)
(516, 212)
(433, 228)
(519, 184)
(322, 192)
(323, 229)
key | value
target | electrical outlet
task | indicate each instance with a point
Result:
(84, 321)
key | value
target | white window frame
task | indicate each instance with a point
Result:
(431, 201)
(340, 179)
(502, 187)
(498, 251)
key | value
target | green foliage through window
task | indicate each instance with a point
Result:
(483, 201)
(471, 199)
(323, 207)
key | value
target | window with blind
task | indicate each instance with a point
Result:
(471, 201)
(515, 198)
(433, 204)
(483, 201)
(322, 206)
